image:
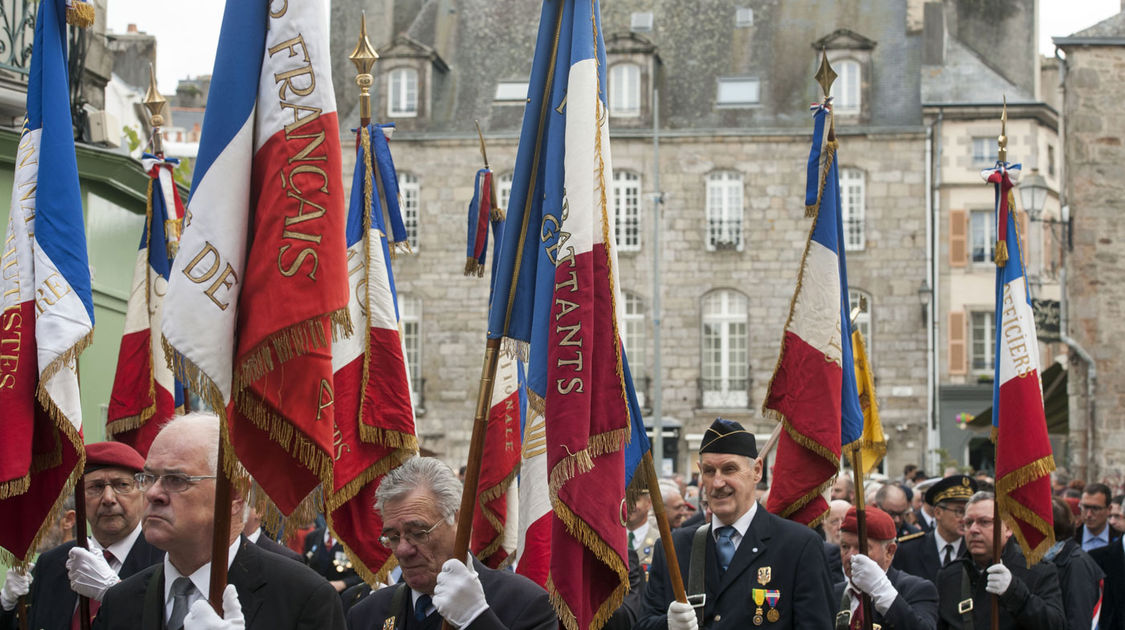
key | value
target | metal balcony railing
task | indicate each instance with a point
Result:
(17, 33)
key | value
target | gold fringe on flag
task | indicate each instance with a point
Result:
(390, 439)
(1011, 510)
(829, 156)
(365, 573)
(473, 268)
(80, 13)
(483, 499)
(15, 487)
(194, 378)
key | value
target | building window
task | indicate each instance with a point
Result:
(511, 91)
(641, 22)
(737, 92)
(743, 17)
(724, 210)
(627, 210)
(625, 90)
(726, 368)
(984, 151)
(409, 192)
(1051, 160)
(402, 93)
(410, 322)
(852, 207)
(504, 191)
(634, 341)
(861, 300)
(982, 336)
(982, 235)
(846, 91)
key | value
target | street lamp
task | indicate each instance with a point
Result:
(1033, 194)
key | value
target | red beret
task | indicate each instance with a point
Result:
(880, 526)
(113, 455)
(1074, 506)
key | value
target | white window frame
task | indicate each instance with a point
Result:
(847, 90)
(504, 190)
(410, 326)
(853, 208)
(725, 348)
(743, 17)
(641, 22)
(402, 93)
(410, 194)
(511, 92)
(724, 199)
(625, 90)
(627, 210)
(861, 298)
(985, 151)
(738, 92)
(982, 341)
(982, 236)
(633, 340)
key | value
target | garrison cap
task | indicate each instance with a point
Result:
(728, 436)
(953, 488)
(113, 455)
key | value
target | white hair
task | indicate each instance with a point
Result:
(422, 472)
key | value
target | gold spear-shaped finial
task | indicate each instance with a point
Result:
(825, 76)
(1002, 141)
(364, 57)
(155, 104)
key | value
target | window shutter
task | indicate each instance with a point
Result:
(958, 238)
(958, 359)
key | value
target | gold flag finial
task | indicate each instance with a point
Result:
(825, 76)
(1002, 141)
(364, 57)
(483, 153)
(155, 104)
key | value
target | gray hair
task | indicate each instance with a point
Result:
(203, 426)
(983, 495)
(422, 473)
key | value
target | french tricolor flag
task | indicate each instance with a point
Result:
(144, 386)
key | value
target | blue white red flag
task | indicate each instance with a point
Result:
(144, 386)
(48, 311)
(556, 290)
(260, 289)
(374, 421)
(1023, 451)
(481, 212)
(813, 391)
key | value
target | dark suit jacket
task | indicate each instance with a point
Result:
(1033, 601)
(51, 602)
(775, 554)
(514, 602)
(835, 563)
(275, 593)
(923, 524)
(322, 560)
(270, 545)
(915, 608)
(1111, 560)
(1079, 579)
(1080, 531)
(919, 556)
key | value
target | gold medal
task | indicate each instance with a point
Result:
(773, 615)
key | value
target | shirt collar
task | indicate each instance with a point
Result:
(201, 579)
(121, 548)
(741, 525)
(941, 543)
(639, 535)
(1087, 536)
(253, 537)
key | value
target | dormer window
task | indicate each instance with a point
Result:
(402, 93)
(625, 90)
(846, 91)
(850, 56)
(632, 66)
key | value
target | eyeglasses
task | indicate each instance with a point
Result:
(983, 522)
(1092, 508)
(959, 511)
(171, 482)
(415, 537)
(95, 489)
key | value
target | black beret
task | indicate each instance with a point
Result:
(727, 436)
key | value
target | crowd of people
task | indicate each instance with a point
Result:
(927, 561)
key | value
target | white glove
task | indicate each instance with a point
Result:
(999, 579)
(202, 617)
(16, 585)
(89, 573)
(869, 577)
(458, 595)
(681, 616)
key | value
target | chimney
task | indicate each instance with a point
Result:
(133, 27)
(933, 36)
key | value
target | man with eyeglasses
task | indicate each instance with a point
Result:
(264, 590)
(116, 547)
(923, 555)
(1094, 531)
(418, 503)
(891, 498)
(1029, 598)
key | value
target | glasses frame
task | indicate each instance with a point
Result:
(189, 480)
(87, 489)
(416, 538)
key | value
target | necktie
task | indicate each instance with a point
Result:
(76, 618)
(724, 546)
(857, 616)
(948, 554)
(422, 607)
(181, 590)
(632, 540)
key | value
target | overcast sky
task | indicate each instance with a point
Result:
(186, 38)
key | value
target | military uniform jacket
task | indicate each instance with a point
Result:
(1111, 559)
(331, 563)
(1032, 602)
(919, 556)
(51, 602)
(1080, 580)
(275, 594)
(514, 603)
(915, 608)
(774, 555)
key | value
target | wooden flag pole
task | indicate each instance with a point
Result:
(665, 529)
(861, 527)
(220, 535)
(80, 540)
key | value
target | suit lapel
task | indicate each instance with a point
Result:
(152, 612)
(753, 545)
(246, 575)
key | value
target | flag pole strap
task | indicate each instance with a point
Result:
(220, 536)
(861, 526)
(665, 529)
(81, 541)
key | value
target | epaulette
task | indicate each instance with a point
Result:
(910, 536)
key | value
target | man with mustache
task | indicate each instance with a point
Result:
(116, 547)
(753, 567)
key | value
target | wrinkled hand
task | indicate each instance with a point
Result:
(16, 585)
(203, 617)
(458, 594)
(89, 573)
(681, 616)
(870, 578)
(999, 579)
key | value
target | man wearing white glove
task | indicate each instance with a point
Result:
(17, 583)
(418, 502)
(1030, 598)
(113, 508)
(264, 590)
(899, 600)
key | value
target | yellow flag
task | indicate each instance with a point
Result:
(873, 442)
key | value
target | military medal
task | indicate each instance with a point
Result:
(389, 624)
(764, 575)
(759, 599)
(772, 597)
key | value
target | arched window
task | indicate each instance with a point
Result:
(853, 208)
(402, 93)
(627, 210)
(409, 191)
(625, 90)
(724, 210)
(846, 91)
(726, 359)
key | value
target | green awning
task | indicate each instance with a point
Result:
(1056, 404)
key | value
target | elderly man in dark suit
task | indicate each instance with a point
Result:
(419, 502)
(752, 566)
(264, 590)
(899, 600)
(116, 547)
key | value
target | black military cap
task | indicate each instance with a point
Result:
(954, 488)
(727, 436)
